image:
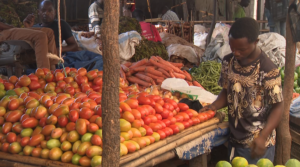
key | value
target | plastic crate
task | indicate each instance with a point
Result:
(279, 10)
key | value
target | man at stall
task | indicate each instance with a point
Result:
(96, 13)
(41, 38)
(168, 14)
(239, 11)
(148, 30)
(47, 13)
(252, 92)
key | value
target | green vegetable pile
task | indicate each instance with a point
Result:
(296, 79)
(129, 24)
(147, 48)
(208, 74)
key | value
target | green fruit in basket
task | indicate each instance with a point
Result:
(264, 163)
(297, 90)
(282, 73)
(295, 76)
(292, 163)
(2, 86)
(239, 162)
(279, 166)
(223, 164)
(251, 165)
(298, 70)
(75, 159)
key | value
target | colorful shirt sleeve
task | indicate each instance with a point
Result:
(223, 81)
(272, 87)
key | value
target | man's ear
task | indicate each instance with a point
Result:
(256, 41)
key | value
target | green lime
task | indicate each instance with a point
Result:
(2, 86)
(2, 93)
(295, 84)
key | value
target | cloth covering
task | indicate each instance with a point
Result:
(203, 144)
(295, 108)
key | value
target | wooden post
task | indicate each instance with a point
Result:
(283, 139)
(213, 24)
(200, 160)
(110, 90)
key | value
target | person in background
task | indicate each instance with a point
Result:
(47, 13)
(96, 13)
(41, 38)
(148, 30)
(239, 11)
(252, 92)
(167, 14)
(268, 15)
(127, 9)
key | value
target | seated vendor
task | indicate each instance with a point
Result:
(148, 30)
(47, 13)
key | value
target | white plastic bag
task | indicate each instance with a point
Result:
(183, 51)
(180, 85)
(127, 42)
(200, 40)
(89, 44)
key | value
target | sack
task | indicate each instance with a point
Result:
(194, 92)
(127, 43)
(89, 44)
(184, 52)
(200, 40)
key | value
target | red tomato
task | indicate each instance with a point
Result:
(175, 129)
(30, 122)
(73, 115)
(11, 137)
(86, 113)
(62, 120)
(162, 134)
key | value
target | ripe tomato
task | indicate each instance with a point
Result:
(183, 106)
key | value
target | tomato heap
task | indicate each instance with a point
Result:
(50, 116)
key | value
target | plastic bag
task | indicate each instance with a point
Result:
(183, 51)
(127, 42)
(180, 85)
(200, 40)
(89, 44)
(223, 29)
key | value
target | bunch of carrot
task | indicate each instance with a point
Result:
(154, 71)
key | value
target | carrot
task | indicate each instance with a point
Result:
(133, 79)
(139, 63)
(139, 69)
(154, 58)
(197, 84)
(128, 74)
(160, 80)
(152, 76)
(164, 72)
(166, 63)
(153, 71)
(160, 65)
(125, 68)
(190, 83)
(122, 73)
(188, 76)
(172, 75)
(177, 75)
(127, 64)
(145, 78)
(179, 65)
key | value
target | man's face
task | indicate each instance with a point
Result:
(245, 3)
(241, 48)
(47, 13)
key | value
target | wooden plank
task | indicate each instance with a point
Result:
(162, 158)
(295, 136)
(5, 163)
(200, 160)
(185, 11)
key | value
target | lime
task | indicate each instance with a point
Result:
(2, 86)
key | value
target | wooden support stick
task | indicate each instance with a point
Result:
(161, 143)
(33, 160)
(168, 147)
(162, 158)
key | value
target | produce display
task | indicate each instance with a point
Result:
(185, 30)
(153, 72)
(242, 162)
(296, 81)
(208, 74)
(148, 48)
(129, 24)
(50, 116)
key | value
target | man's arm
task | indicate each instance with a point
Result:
(219, 103)
(29, 21)
(4, 26)
(72, 45)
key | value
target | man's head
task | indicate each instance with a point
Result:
(243, 37)
(47, 11)
(245, 3)
(164, 10)
(138, 14)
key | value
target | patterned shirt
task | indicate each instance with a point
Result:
(170, 15)
(96, 15)
(251, 92)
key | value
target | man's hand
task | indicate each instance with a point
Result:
(258, 147)
(208, 107)
(29, 20)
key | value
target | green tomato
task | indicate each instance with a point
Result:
(295, 76)
(297, 90)
(282, 73)
(298, 70)
(295, 84)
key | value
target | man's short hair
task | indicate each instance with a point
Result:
(138, 14)
(245, 28)
(46, 1)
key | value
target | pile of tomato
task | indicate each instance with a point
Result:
(52, 116)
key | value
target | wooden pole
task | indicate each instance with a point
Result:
(59, 28)
(283, 139)
(110, 90)
(212, 26)
(162, 158)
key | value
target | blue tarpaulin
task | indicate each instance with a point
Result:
(86, 59)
